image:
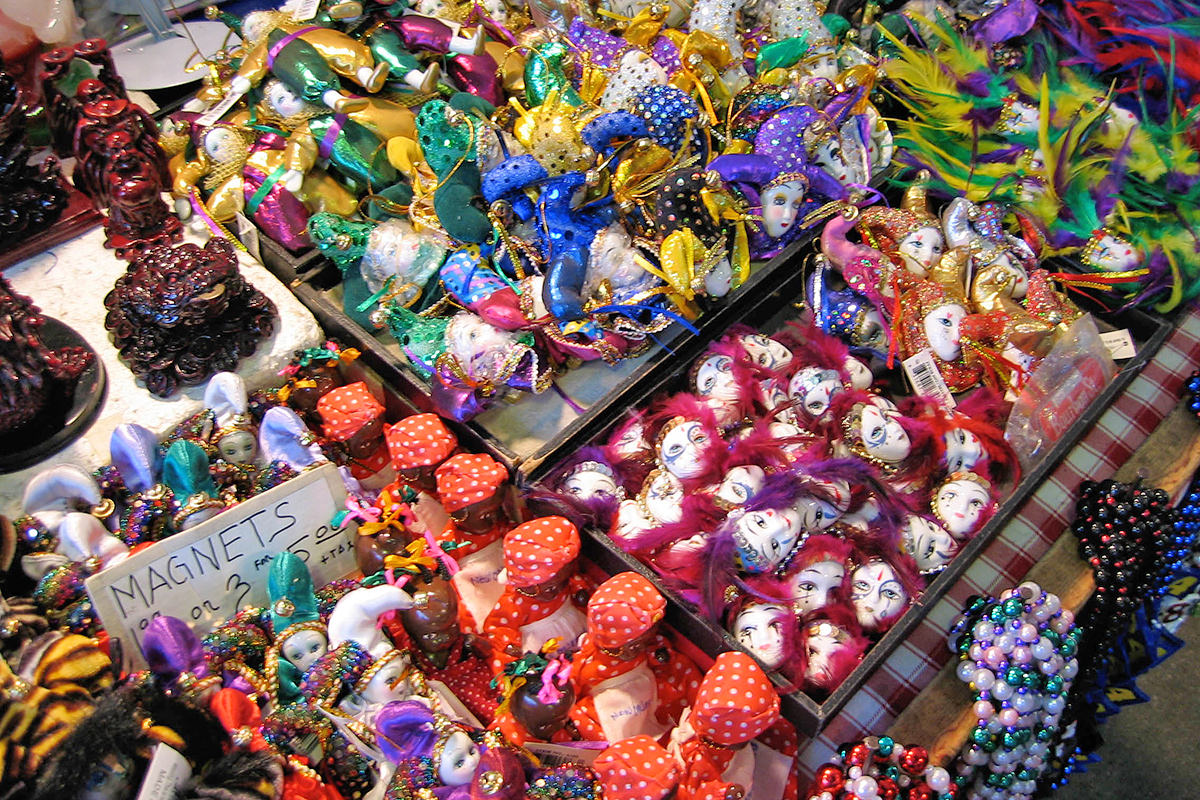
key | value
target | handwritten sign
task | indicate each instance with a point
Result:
(207, 574)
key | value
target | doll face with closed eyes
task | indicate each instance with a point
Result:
(781, 206)
(815, 388)
(719, 280)
(924, 246)
(860, 374)
(876, 593)
(942, 329)
(963, 450)
(683, 448)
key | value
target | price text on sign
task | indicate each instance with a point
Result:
(207, 574)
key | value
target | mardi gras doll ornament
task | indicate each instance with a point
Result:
(428, 749)
(300, 635)
(537, 696)
(353, 417)
(186, 473)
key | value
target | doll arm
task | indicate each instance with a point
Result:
(187, 178)
(252, 69)
(583, 714)
(300, 154)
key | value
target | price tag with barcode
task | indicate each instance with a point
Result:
(925, 379)
(1120, 344)
(216, 112)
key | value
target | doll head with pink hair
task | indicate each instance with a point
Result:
(970, 436)
(882, 586)
(817, 576)
(630, 450)
(687, 441)
(760, 618)
(726, 380)
(833, 645)
(873, 429)
(822, 367)
(963, 502)
(924, 539)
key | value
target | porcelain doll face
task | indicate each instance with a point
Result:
(882, 435)
(765, 351)
(390, 683)
(715, 381)
(942, 330)
(960, 505)
(860, 374)
(586, 483)
(303, 648)
(781, 205)
(460, 757)
(632, 442)
(830, 157)
(963, 450)
(1112, 254)
(740, 484)
(764, 538)
(631, 520)
(813, 587)
(876, 593)
(930, 545)
(829, 508)
(825, 66)
(677, 11)
(924, 246)
(1021, 117)
(238, 447)
(719, 280)
(663, 497)
(683, 447)
(1003, 267)
(824, 640)
(759, 629)
(283, 101)
(223, 145)
(814, 388)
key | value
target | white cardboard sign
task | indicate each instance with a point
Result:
(207, 574)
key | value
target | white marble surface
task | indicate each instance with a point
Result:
(70, 282)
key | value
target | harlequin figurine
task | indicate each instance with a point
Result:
(186, 473)
(735, 704)
(300, 635)
(352, 416)
(418, 445)
(236, 435)
(472, 488)
(543, 597)
(628, 678)
(428, 749)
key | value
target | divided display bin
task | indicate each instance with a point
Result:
(768, 312)
(535, 433)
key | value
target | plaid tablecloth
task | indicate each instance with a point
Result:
(1116, 435)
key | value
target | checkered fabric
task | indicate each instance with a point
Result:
(1108, 445)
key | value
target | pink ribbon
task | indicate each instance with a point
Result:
(560, 668)
(360, 511)
(435, 550)
(325, 146)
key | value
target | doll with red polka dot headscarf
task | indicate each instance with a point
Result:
(418, 445)
(543, 597)
(628, 678)
(472, 488)
(351, 416)
(736, 703)
(637, 768)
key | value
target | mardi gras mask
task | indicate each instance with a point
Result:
(963, 450)
(963, 503)
(590, 480)
(662, 496)
(682, 446)
(740, 484)
(764, 538)
(879, 433)
(765, 351)
(814, 388)
(930, 545)
(1109, 253)
(813, 586)
(876, 593)
(759, 628)
(714, 379)
(781, 204)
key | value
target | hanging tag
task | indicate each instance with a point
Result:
(168, 770)
(1120, 344)
(247, 233)
(219, 110)
(306, 10)
(925, 379)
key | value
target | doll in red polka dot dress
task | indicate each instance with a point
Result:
(472, 487)
(637, 768)
(543, 596)
(629, 679)
(352, 416)
(732, 741)
(418, 445)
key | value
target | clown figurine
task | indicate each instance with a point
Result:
(629, 680)
(543, 597)
(352, 416)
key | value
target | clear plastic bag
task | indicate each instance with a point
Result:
(1059, 391)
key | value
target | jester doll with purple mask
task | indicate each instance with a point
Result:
(777, 181)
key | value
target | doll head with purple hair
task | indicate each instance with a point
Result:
(428, 748)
